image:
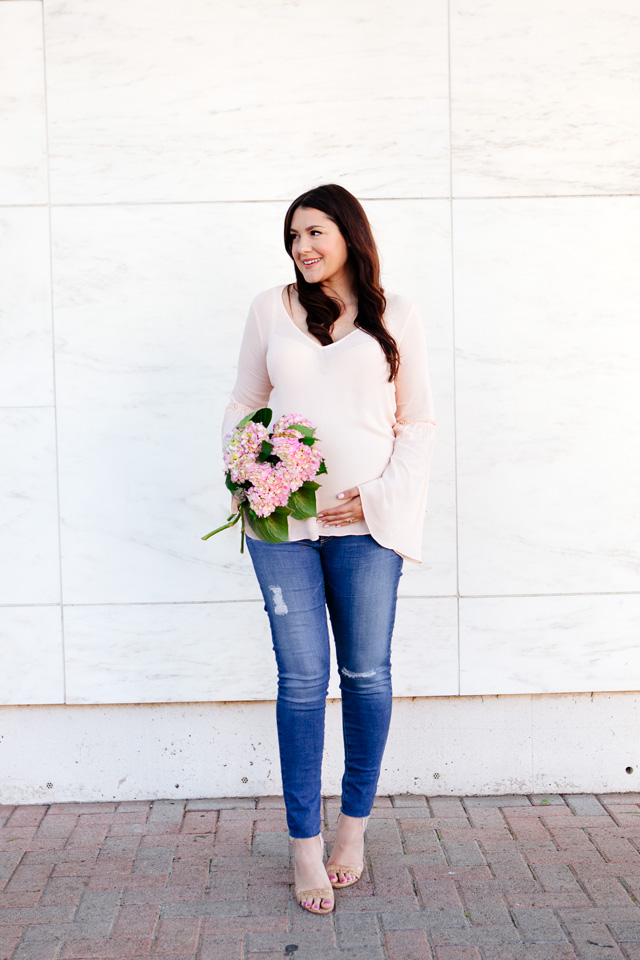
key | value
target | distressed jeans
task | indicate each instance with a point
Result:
(356, 580)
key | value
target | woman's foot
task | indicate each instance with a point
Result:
(346, 862)
(313, 890)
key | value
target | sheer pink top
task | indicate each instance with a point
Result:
(374, 435)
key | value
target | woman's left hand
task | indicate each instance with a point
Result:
(349, 511)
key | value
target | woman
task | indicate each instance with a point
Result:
(333, 349)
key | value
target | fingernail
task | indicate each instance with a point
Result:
(340, 496)
(320, 515)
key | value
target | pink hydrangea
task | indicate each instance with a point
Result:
(242, 447)
(299, 460)
(269, 488)
(270, 484)
(281, 427)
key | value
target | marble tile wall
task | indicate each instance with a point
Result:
(23, 145)
(214, 101)
(145, 166)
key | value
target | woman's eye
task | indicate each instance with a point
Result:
(315, 233)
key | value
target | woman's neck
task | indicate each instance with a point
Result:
(342, 289)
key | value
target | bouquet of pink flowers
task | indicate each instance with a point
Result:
(271, 474)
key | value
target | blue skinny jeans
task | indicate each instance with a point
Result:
(356, 580)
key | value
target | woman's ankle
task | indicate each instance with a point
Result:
(307, 847)
(352, 824)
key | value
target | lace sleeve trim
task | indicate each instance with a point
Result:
(415, 420)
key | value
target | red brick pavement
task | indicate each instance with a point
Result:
(446, 878)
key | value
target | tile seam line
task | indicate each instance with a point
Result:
(195, 203)
(453, 350)
(411, 596)
(53, 355)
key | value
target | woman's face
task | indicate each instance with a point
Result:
(318, 248)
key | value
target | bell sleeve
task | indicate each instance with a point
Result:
(394, 504)
(252, 388)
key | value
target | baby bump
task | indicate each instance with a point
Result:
(349, 464)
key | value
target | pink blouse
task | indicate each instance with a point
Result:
(374, 435)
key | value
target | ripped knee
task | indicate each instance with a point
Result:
(279, 606)
(348, 673)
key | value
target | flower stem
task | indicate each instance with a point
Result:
(224, 526)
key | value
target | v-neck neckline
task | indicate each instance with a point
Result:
(310, 339)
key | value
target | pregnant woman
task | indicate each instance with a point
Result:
(333, 348)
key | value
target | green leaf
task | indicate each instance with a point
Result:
(263, 415)
(305, 431)
(271, 529)
(303, 501)
(265, 451)
(308, 441)
(322, 468)
(230, 485)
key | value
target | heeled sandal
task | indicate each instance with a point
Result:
(320, 893)
(355, 872)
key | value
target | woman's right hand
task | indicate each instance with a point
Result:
(235, 504)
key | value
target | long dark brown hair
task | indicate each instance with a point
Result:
(323, 311)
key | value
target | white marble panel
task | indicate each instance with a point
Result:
(545, 98)
(31, 657)
(548, 395)
(148, 653)
(567, 644)
(414, 239)
(425, 648)
(26, 358)
(150, 307)
(29, 557)
(214, 101)
(23, 144)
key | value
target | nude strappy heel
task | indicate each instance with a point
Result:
(353, 871)
(321, 893)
